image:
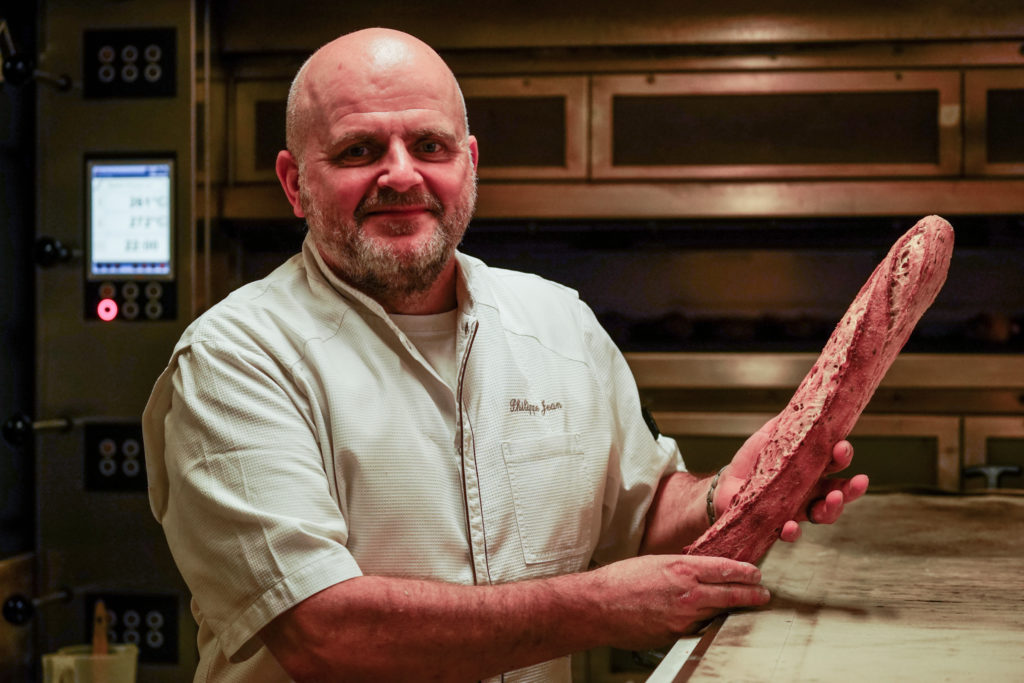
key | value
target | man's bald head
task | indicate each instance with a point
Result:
(371, 60)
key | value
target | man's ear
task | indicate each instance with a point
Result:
(288, 173)
(474, 152)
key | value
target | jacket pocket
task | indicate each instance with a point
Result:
(552, 495)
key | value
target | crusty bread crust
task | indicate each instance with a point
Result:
(832, 396)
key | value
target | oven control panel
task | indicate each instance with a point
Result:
(130, 301)
(130, 273)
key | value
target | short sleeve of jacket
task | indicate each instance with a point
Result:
(239, 484)
(638, 459)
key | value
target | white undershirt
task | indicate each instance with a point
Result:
(434, 336)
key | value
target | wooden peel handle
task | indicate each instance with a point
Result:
(100, 624)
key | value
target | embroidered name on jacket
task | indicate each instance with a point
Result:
(522, 405)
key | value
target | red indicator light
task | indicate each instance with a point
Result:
(107, 310)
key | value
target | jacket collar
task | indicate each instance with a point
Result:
(469, 288)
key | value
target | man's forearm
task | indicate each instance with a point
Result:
(383, 628)
(678, 513)
(394, 629)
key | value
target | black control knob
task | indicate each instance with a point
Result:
(50, 252)
(16, 431)
(18, 70)
(18, 428)
(19, 609)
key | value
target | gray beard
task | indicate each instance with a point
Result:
(374, 266)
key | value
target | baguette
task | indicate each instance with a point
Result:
(832, 396)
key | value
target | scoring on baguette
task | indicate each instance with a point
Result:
(832, 396)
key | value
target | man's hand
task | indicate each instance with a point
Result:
(828, 500)
(658, 598)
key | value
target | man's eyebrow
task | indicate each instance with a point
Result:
(448, 136)
(351, 138)
(369, 136)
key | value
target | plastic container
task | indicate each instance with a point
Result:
(77, 664)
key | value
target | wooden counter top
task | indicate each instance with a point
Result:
(903, 588)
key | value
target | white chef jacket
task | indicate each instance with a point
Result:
(298, 439)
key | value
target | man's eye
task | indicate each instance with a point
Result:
(356, 152)
(431, 147)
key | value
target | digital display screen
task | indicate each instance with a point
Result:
(130, 207)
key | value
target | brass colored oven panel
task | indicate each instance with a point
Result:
(535, 110)
(259, 129)
(874, 430)
(994, 441)
(994, 142)
(782, 124)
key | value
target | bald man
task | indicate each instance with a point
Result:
(387, 461)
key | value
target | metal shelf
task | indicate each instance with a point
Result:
(786, 370)
(656, 200)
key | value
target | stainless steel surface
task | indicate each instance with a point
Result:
(102, 540)
(687, 649)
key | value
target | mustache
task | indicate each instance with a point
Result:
(386, 198)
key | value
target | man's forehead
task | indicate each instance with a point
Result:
(376, 85)
(394, 105)
(408, 125)
(384, 55)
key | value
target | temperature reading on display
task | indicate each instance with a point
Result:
(130, 219)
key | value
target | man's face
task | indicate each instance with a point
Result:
(388, 184)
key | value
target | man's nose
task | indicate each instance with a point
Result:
(400, 173)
